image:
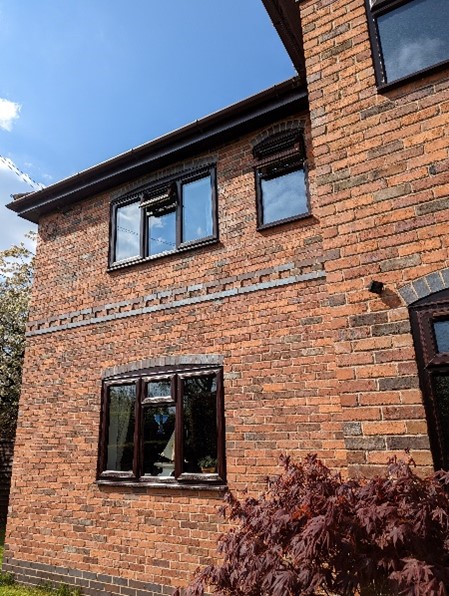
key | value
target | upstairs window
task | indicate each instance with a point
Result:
(409, 37)
(163, 426)
(170, 216)
(281, 188)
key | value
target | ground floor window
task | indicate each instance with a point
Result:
(163, 426)
(430, 326)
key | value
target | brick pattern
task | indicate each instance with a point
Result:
(185, 359)
(275, 277)
(313, 362)
(256, 302)
(381, 180)
(425, 286)
(91, 584)
(277, 399)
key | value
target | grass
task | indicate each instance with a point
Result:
(9, 588)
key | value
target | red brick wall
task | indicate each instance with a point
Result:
(381, 165)
(279, 380)
(318, 364)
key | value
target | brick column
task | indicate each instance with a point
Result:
(380, 182)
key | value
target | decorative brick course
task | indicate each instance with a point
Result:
(152, 303)
(313, 361)
(254, 303)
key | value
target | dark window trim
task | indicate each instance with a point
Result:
(139, 378)
(431, 362)
(300, 163)
(379, 8)
(141, 194)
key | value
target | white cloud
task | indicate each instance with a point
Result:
(9, 111)
(415, 55)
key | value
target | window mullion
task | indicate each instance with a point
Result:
(143, 233)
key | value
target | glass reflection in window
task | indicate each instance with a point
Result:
(197, 209)
(283, 196)
(159, 440)
(200, 423)
(127, 239)
(413, 37)
(441, 329)
(120, 450)
(161, 233)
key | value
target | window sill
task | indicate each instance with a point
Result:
(420, 75)
(281, 222)
(216, 488)
(138, 261)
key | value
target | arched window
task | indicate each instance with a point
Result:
(430, 326)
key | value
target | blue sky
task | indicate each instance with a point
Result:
(84, 80)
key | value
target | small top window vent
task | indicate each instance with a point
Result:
(278, 142)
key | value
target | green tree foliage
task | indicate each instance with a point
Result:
(16, 274)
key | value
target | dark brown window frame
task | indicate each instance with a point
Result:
(140, 378)
(283, 148)
(431, 362)
(373, 11)
(142, 195)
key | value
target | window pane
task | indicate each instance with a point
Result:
(161, 233)
(284, 196)
(159, 388)
(414, 37)
(122, 401)
(197, 209)
(127, 242)
(200, 423)
(441, 390)
(441, 329)
(159, 440)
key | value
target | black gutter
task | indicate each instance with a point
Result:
(279, 101)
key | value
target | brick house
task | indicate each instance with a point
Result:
(274, 277)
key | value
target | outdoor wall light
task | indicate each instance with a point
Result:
(376, 287)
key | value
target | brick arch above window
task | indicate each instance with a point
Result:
(425, 286)
(276, 129)
(162, 361)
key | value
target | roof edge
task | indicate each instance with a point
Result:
(282, 99)
(285, 16)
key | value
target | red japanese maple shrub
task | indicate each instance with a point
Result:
(313, 532)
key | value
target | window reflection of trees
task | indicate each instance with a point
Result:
(122, 400)
(200, 421)
(158, 440)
